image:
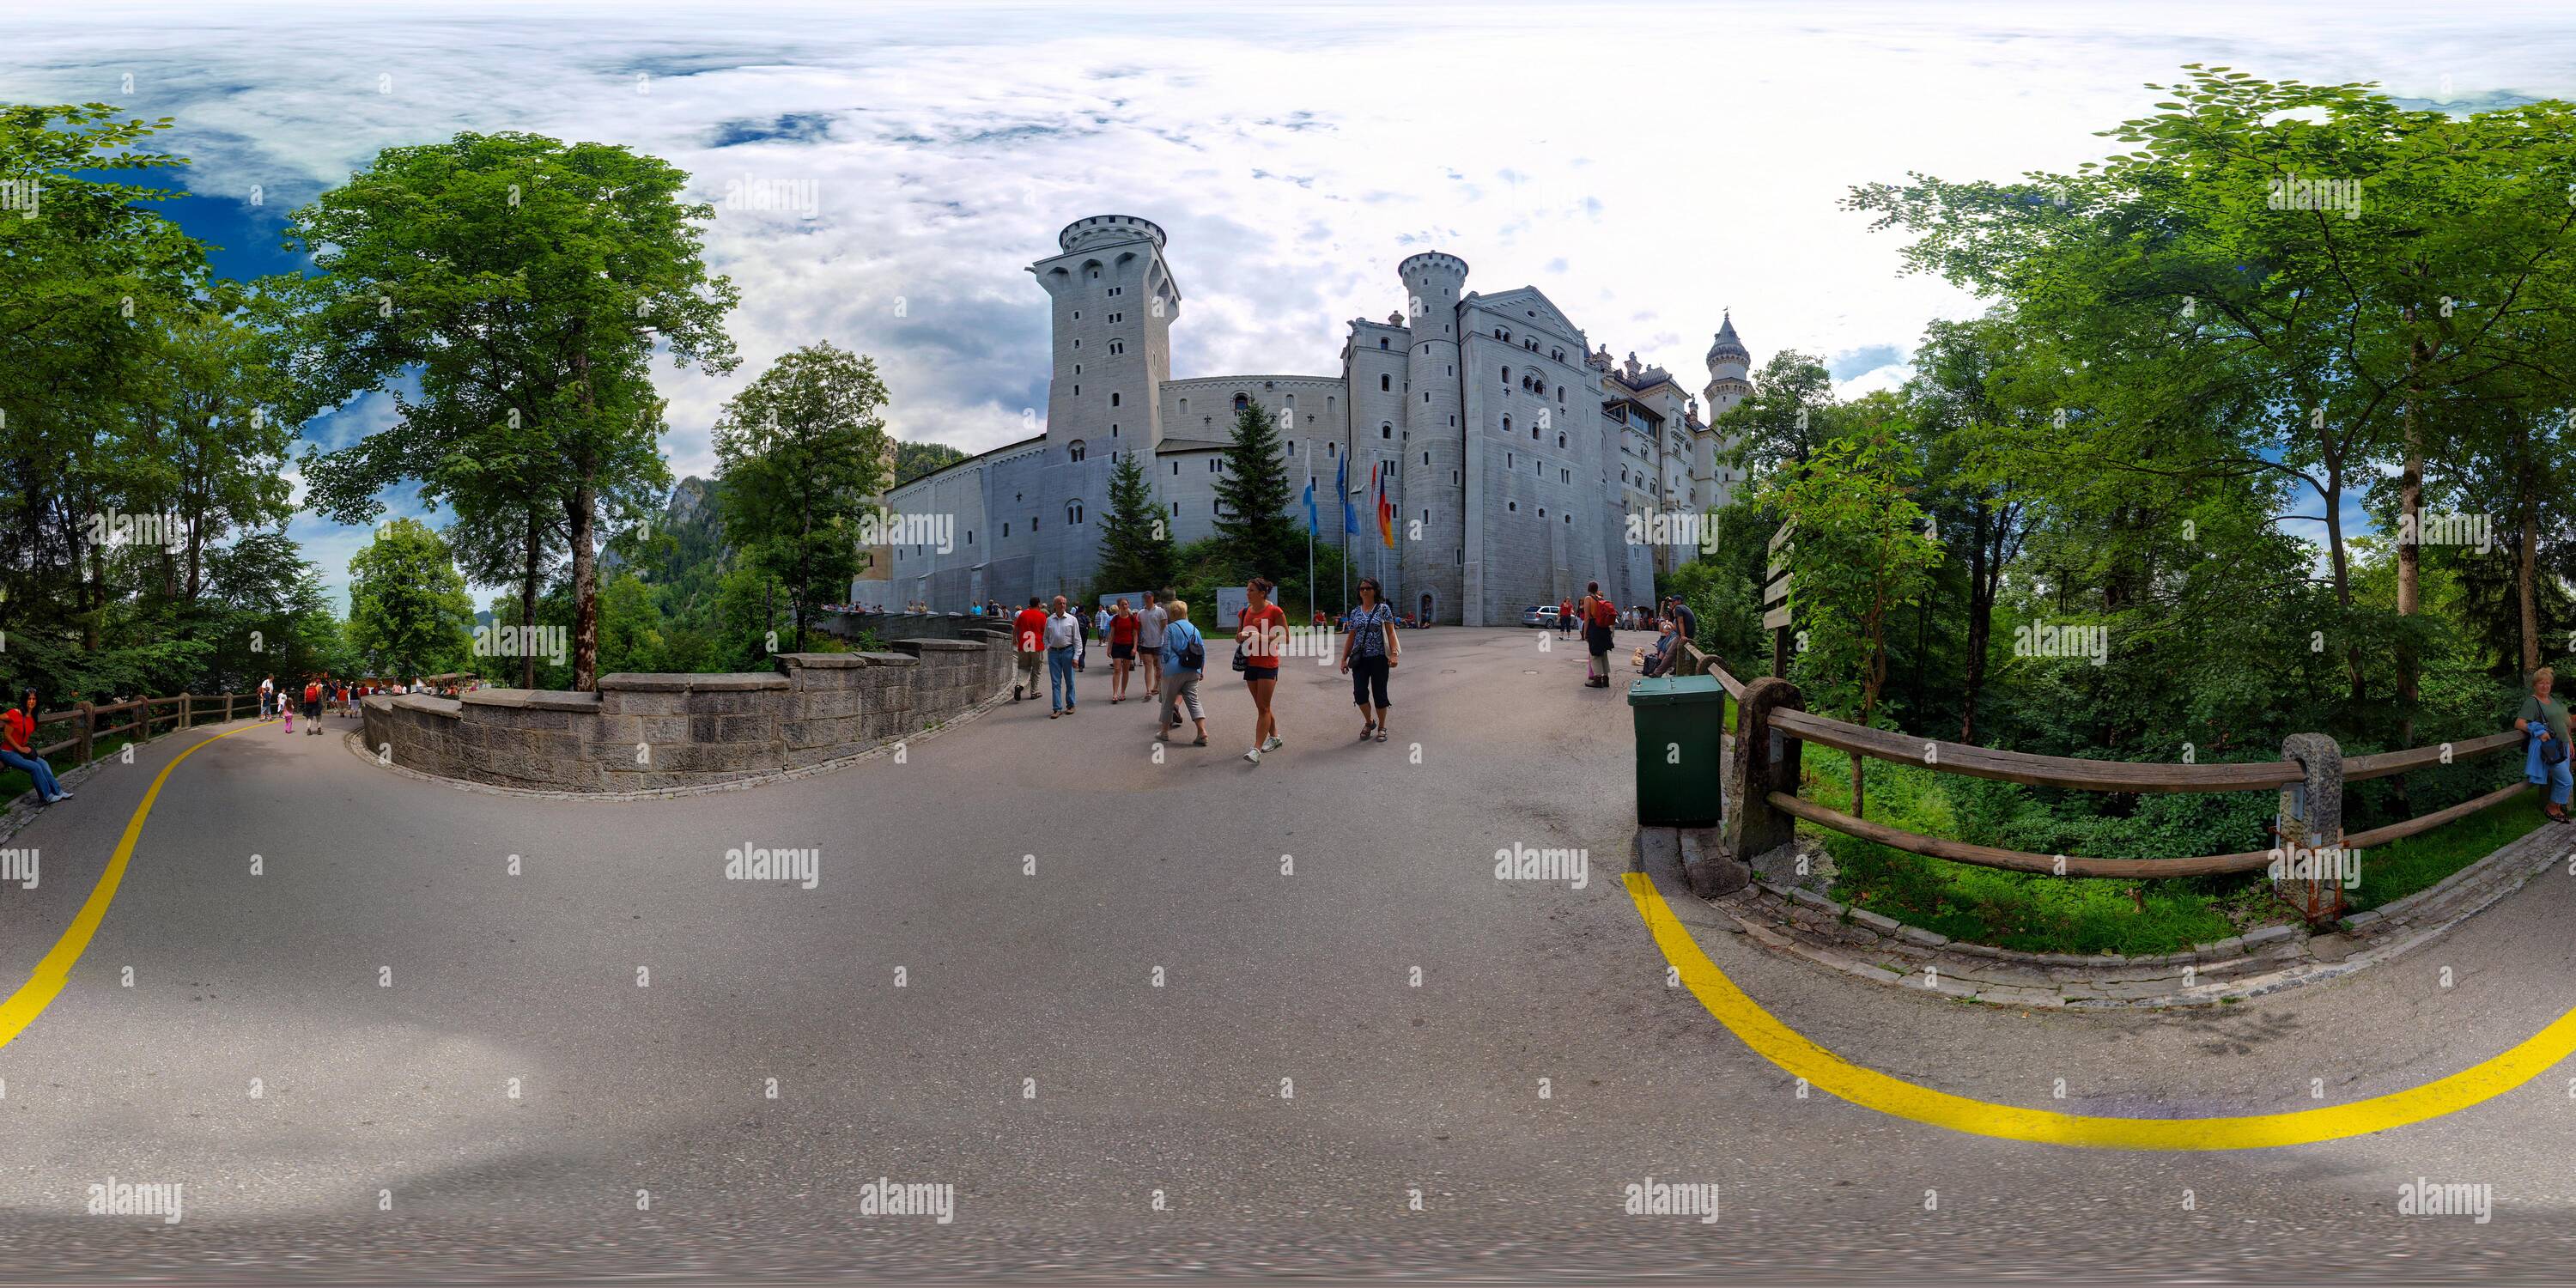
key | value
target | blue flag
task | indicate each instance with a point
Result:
(1311, 524)
(1342, 487)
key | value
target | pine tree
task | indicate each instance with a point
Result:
(1253, 499)
(1136, 551)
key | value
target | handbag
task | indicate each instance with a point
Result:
(2553, 751)
(1239, 662)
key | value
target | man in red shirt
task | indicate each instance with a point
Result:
(1028, 632)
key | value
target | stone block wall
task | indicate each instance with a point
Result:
(643, 732)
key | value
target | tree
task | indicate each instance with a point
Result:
(1783, 421)
(1136, 547)
(408, 611)
(1963, 387)
(913, 460)
(1253, 497)
(524, 283)
(1863, 550)
(801, 447)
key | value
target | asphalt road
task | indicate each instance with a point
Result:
(1146, 1017)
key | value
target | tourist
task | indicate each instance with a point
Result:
(286, 704)
(1064, 645)
(267, 697)
(1599, 615)
(1368, 654)
(1184, 662)
(2544, 760)
(18, 749)
(1659, 659)
(1029, 630)
(1122, 650)
(312, 707)
(1149, 642)
(1684, 620)
(1564, 616)
(1260, 637)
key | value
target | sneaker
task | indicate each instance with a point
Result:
(1276, 742)
(1253, 755)
(1015, 693)
(1201, 741)
(1055, 715)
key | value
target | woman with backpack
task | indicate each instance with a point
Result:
(1184, 664)
(1368, 655)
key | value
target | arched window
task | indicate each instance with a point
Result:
(1560, 441)
(1381, 342)
(1507, 377)
(1507, 424)
(1385, 382)
(1074, 449)
(1241, 401)
(1073, 511)
(1113, 398)
(1386, 429)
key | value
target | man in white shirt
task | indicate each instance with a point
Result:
(1063, 640)
(1149, 641)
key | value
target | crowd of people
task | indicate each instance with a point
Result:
(1157, 643)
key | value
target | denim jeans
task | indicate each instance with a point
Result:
(36, 768)
(1060, 678)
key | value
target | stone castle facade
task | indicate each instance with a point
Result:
(1516, 458)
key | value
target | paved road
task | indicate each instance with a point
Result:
(1097, 1125)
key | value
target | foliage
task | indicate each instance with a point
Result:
(1135, 540)
(408, 611)
(801, 447)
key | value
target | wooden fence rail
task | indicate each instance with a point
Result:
(183, 711)
(1762, 806)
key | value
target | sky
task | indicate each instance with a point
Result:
(1648, 166)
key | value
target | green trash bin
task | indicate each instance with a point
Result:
(1680, 721)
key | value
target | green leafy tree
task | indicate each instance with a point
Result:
(1253, 498)
(408, 610)
(1863, 549)
(524, 284)
(1136, 547)
(801, 446)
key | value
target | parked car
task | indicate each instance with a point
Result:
(1541, 615)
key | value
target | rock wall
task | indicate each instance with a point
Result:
(643, 732)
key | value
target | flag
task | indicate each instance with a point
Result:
(1311, 523)
(1385, 511)
(1342, 488)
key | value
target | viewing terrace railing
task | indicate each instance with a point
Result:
(1763, 808)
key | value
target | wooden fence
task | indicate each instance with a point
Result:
(141, 718)
(1762, 806)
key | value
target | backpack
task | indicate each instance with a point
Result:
(1193, 656)
(1603, 614)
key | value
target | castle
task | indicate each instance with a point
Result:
(1515, 459)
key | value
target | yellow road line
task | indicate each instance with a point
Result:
(1825, 1071)
(55, 970)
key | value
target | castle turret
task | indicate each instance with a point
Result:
(1728, 364)
(1434, 472)
(1114, 300)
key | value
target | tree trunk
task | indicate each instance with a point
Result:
(528, 600)
(2410, 539)
(2526, 576)
(585, 587)
(1981, 618)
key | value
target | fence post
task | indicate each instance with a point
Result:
(187, 709)
(1765, 761)
(2311, 831)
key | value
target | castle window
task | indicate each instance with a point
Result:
(1113, 429)
(1077, 391)
(1509, 461)
(1501, 334)
(1113, 397)
(1176, 509)
(1533, 433)
(1381, 342)
(1176, 469)
(1095, 275)
(1453, 478)
(1385, 429)
(1426, 458)
(1118, 346)
(1507, 377)
(1117, 290)
(1006, 529)
(1331, 450)
(1185, 406)
(1074, 449)
(1385, 383)
(1073, 511)
(1292, 447)
(1077, 315)
(1077, 368)
(1117, 317)
(1560, 439)
(1242, 401)
(1513, 506)
(970, 536)
(1426, 395)
(1507, 424)
(1542, 512)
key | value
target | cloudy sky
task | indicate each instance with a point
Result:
(1647, 166)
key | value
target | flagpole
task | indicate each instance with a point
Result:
(1313, 520)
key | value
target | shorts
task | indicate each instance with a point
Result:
(313, 708)
(1255, 671)
(1122, 650)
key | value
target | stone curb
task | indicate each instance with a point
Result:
(355, 741)
(1798, 922)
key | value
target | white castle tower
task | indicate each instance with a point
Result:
(1728, 364)
(1114, 300)
(1435, 469)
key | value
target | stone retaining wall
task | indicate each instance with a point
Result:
(644, 732)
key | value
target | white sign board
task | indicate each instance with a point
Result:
(1229, 606)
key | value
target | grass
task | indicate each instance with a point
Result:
(15, 782)
(2036, 913)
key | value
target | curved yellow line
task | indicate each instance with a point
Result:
(1825, 1071)
(55, 970)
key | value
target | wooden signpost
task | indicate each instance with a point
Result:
(1775, 599)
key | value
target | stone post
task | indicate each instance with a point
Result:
(1765, 761)
(2311, 831)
